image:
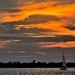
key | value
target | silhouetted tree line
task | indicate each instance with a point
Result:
(17, 64)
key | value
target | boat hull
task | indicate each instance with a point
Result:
(63, 68)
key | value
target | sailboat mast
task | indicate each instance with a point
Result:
(64, 67)
(64, 63)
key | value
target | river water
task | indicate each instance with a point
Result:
(36, 71)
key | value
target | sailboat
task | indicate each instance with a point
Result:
(64, 67)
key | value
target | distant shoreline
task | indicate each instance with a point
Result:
(16, 64)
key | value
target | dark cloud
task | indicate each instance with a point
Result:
(9, 27)
(71, 23)
(6, 28)
(71, 27)
(14, 3)
(66, 1)
(51, 39)
(7, 4)
(33, 30)
(64, 38)
(10, 10)
(63, 2)
(37, 1)
(34, 19)
(58, 2)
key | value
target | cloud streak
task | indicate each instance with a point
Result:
(70, 44)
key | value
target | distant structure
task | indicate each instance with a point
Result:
(64, 67)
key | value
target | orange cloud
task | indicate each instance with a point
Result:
(44, 8)
(55, 44)
(6, 43)
(58, 28)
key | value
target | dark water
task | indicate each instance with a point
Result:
(36, 71)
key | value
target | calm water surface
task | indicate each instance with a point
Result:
(36, 71)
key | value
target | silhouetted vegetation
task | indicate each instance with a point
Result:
(17, 64)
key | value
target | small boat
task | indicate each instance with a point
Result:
(64, 66)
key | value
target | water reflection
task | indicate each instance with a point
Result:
(36, 71)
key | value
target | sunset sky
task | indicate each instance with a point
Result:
(40, 30)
